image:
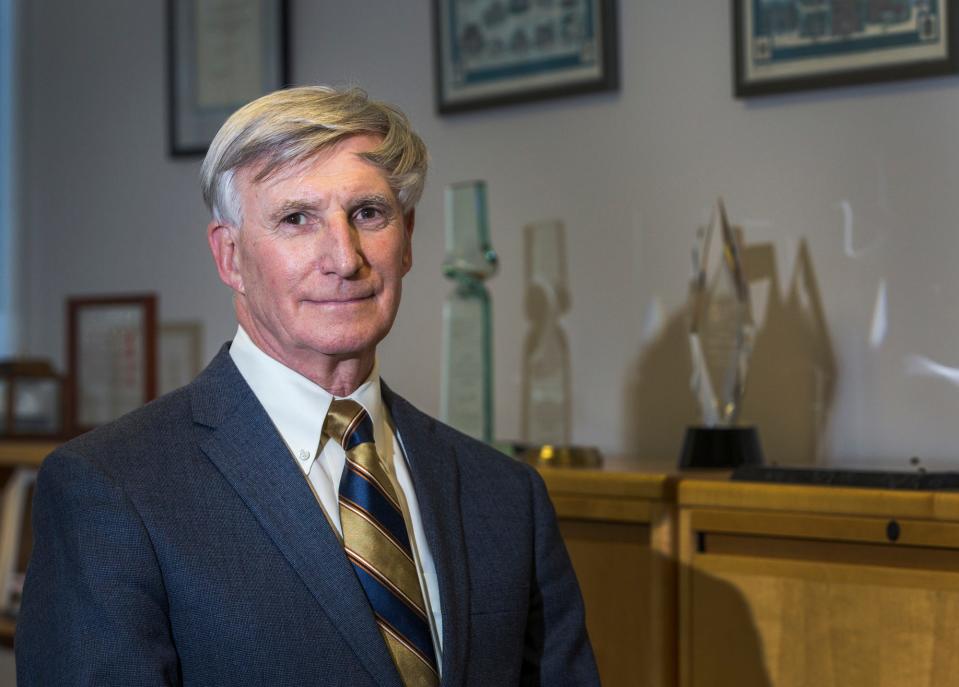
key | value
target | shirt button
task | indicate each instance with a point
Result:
(304, 455)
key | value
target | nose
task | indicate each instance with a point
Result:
(340, 252)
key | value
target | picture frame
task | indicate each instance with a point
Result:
(499, 52)
(221, 54)
(111, 354)
(31, 400)
(179, 354)
(790, 45)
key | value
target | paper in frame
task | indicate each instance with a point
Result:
(221, 55)
(112, 357)
(179, 354)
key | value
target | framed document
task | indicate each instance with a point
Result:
(788, 45)
(112, 357)
(491, 52)
(222, 54)
(180, 354)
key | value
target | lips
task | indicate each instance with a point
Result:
(339, 300)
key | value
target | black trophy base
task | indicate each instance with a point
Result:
(720, 447)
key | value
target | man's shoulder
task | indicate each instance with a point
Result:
(471, 454)
(138, 432)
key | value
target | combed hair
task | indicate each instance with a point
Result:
(286, 127)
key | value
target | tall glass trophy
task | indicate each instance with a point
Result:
(547, 396)
(720, 342)
(466, 397)
(546, 388)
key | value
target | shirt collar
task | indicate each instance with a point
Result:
(296, 405)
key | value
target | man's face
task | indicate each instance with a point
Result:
(318, 262)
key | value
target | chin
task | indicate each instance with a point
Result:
(347, 345)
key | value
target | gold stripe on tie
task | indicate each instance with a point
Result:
(367, 543)
(415, 669)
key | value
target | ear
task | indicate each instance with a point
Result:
(224, 244)
(409, 221)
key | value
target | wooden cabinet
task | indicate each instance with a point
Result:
(619, 529)
(794, 585)
(14, 454)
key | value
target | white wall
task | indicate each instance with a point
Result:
(632, 174)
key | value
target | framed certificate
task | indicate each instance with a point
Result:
(112, 357)
(180, 354)
(222, 54)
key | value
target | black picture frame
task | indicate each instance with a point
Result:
(863, 43)
(489, 53)
(219, 57)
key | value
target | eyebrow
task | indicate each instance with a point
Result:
(289, 207)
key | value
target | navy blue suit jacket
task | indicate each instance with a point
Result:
(181, 545)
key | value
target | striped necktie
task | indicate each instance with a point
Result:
(378, 545)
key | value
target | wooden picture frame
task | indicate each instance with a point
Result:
(489, 52)
(793, 45)
(111, 355)
(220, 56)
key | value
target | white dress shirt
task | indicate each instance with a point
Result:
(297, 408)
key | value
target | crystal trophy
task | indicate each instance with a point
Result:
(720, 341)
(546, 388)
(547, 396)
(466, 398)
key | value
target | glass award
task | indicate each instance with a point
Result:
(466, 399)
(720, 341)
(546, 385)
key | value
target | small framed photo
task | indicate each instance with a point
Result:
(789, 45)
(221, 55)
(31, 400)
(181, 354)
(112, 357)
(497, 52)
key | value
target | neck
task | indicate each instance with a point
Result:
(339, 375)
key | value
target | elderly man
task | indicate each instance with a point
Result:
(286, 519)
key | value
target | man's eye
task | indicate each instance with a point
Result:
(369, 213)
(295, 218)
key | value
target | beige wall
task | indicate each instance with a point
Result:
(843, 196)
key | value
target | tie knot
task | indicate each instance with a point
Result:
(347, 423)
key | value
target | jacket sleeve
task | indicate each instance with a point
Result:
(94, 609)
(557, 649)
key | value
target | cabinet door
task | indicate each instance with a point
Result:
(822, 605)
(629, 590)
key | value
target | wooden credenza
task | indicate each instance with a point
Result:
(619, 529)
(833, 587)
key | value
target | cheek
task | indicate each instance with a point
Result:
(271, 273)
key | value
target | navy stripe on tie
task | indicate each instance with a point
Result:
(397, 614)
(360, 492)
(362, 434)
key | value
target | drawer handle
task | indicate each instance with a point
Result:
(893, 530)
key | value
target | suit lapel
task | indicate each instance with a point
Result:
(436, 480)
(248, 451)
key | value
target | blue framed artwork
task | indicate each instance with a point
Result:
(787, 45)
(497, 52)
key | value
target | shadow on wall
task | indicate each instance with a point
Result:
(792, 372)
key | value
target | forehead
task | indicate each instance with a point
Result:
(333, 170)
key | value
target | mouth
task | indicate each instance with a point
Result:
(338, 301)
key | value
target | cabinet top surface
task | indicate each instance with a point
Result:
(935, 505)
